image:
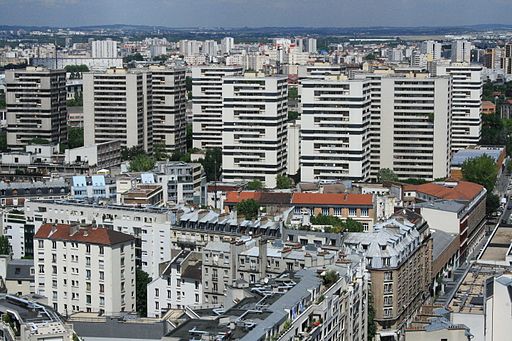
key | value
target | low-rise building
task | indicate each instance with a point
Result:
(104, 155)
(93, 187)
(143, 195)
(85, 268)
(17, 275)
(31, 321)
(178, 286)
(16, 193)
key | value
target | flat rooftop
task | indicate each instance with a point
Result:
(499, 245)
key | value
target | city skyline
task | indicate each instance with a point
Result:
(243, 13)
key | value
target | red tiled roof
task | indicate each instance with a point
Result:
(332, 199)
(99, 235)
(464, 190)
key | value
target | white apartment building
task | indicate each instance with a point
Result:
(104, 48)
(117, 106)
(335, 123)
(210, 48)
(178, 286)
(169, 106)
(36, 106)
(207, 104)
(150, 226)
(293, 155)
(254, 131)
(467, 89)
(321, 71)
(189, 47)
(461, 51)
(16, 231)
(310, 45)
(432, 49)
(227, 44)
(85, 268)
(410, 126)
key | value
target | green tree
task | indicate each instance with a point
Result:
(5, 248)
(3, 141)
(142, 163)
(212, 163)
(284, 182)
(159, 152)
(78, 101)
(133, 57)
(492, 203)
(481, 170)
(38, 140)
(330, 278)
(293, 93)
(255, 185)
(386, 174)
(142, 280)
(293, 115)
(248, 208)
(338, 225)
(130, 153)
(370, 56)
(372, 327)
(188, 134)
(75, 137)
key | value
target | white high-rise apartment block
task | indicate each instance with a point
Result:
(36, 106)
(189, 47)
(395, 55)
(207, 104)
(311, 45)
(467, 89)
(254, 131)
(210, 47)
(117, 106)
(293, 156)
(104, 49)
(335, 122)
(432, 49)
(461, 51)
(85, 268)
(227, 44)
(410, 126)
(169, 100)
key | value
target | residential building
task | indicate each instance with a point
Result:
(17, 275)
(498, 319)
(506, 59)
(497, 153)
(434, 324)
(104, 48)
(460, 203)
(254, 131)
(16, 193)
(85, 268)
(36, 106)
(143, 195)
(169, 98)
(461, 51)
(178, 286)
(310, 45)
(321, 71)
(399, 259)
(293, 155)
(104, 155)
(335, 123)
(270, 202)
(227, 44)
(19, 234)
(410, 126)
(207, 104)
(151, 227)
(358, 207)
(184, 182)
(118, 106)
(432, 49)
(466, 102)
(31, 321)
(93, 187)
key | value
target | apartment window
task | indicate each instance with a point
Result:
(41, 269)
(388, 276)
(386, 261)
(88, 261)
(102, 250)
(102, 275)
(102, 300)
(365, 227)
(215, 287)
(364, 212)
(388, 288)
(388, 300)
(252, 278)
(88, 274)
(388, 312)
(54, 269)
(352, 212)
(337, 211)
(88, 286)
(168, 293)
(88, 248)
(102, 288)
(157, 292)
(325, 211)
(197, 298)
(54, 244)
(88, 299)
(197, 285)
(157, 305)
(41, 244)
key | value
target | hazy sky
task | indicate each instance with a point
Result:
(237, 13)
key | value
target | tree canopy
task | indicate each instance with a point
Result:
(293, 93)
(75, 137)
(5, 248)
(255, 185)
(212, 163)
(284, 182)
(248, 208)
(142, 279)
(481, 170)
(142, 163)
(386, 174)
(338, 225)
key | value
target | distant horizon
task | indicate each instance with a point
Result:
(250, 13)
